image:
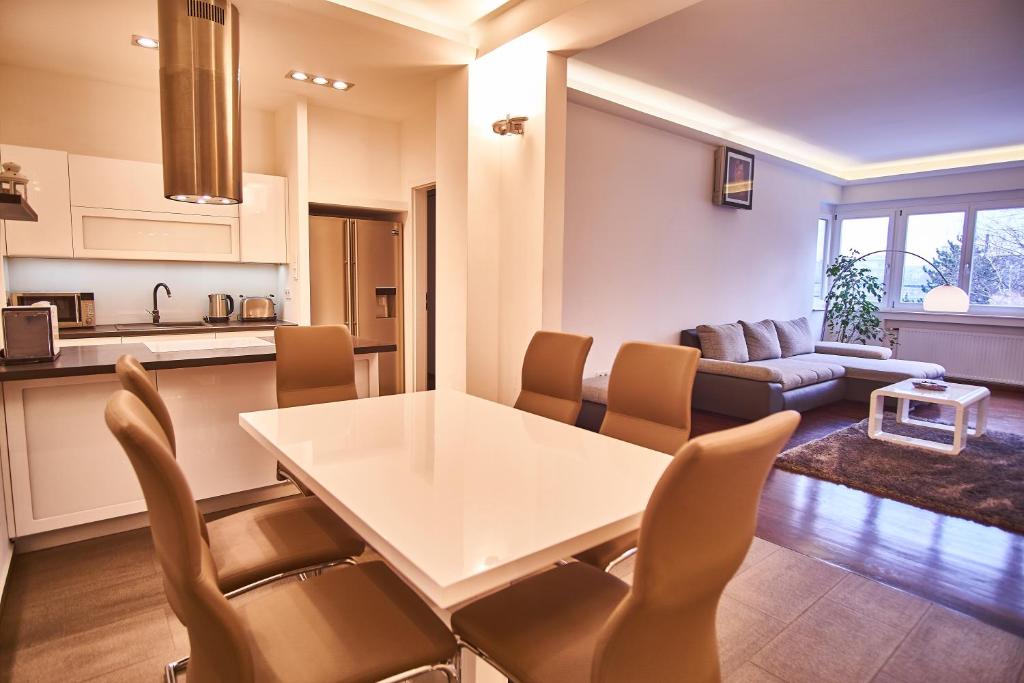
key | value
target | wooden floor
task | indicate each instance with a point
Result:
(968, 566)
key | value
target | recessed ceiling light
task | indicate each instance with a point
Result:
(323, 81)
(146, 42)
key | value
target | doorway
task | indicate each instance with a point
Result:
(431, 286)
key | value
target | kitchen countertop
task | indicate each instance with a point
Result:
(98, 360)
(142, 329)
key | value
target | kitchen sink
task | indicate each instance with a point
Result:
(206, 344)
(158, 326)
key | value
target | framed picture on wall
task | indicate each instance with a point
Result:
(734, 178)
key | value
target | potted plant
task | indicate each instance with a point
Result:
(851, 305)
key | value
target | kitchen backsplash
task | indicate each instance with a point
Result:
(124, 289)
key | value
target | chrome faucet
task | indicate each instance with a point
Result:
(156, 310)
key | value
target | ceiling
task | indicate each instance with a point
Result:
(844, 86)
(393, 66)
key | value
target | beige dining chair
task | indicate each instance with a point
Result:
(578, 624)
(314, 365)
(649, 394)
(357, 623)
(260, 544)
(553, 375)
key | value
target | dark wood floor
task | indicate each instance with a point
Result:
(970, 567)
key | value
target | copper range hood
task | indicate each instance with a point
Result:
(199, 101)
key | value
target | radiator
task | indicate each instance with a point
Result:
(980, 356)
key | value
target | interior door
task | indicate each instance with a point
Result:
(377, 276)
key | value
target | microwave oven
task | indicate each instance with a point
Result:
(74, 309)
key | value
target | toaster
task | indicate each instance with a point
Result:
(257, 308)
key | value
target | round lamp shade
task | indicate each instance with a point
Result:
(947, 299)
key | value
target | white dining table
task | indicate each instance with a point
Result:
(459, 495)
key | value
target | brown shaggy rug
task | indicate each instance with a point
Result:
(984, 483)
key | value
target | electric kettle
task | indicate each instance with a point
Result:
(221, 308)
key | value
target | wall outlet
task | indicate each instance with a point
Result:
(287, 294)
(295, 271)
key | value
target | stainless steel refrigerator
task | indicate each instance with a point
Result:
(356, 280)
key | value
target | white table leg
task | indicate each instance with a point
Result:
(875, 414)
(959, 430)
(902, 410)
(981, 417)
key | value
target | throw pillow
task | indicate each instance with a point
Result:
(762, 340)
(723, 342)
(794, 337)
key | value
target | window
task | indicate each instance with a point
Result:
(937, 237)
(997, 258)
(975, 245)
(866, 235)
(819, 264)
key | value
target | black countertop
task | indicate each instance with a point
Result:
(142, 329)
(98, 360)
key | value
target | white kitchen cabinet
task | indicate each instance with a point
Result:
(66, 468)
(49, 196)
(146, 235)
(90, 341)
(263, 218)
(101, 183)
(218, 457)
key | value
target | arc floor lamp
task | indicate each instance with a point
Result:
(946, 298)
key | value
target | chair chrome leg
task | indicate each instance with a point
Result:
(304, 573)
(463, 645)
(448, 669)
(172, 669)
(620, 559)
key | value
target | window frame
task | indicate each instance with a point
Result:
(818, 302)
(837, 238)
(899, 260)
(899, 213)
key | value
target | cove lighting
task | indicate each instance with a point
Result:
(323, 81)
(146, 42)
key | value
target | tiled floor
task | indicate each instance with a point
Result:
(95, 611)
(787, 617)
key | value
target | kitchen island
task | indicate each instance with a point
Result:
(64, 473)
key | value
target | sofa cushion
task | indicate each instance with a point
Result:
(857, 350)
(794, 336)
(798, 372)
(723, 342)
(788, 372)
(758, 373)
(762, 340)
(595, 389)
(888, 371)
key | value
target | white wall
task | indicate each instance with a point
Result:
(355, 160)
(962, 182)
(124, 289)
(646, 252)
(82, 116)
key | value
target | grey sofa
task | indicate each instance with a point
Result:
(832, 373)
(751, 390)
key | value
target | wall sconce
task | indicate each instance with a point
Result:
(510, 125)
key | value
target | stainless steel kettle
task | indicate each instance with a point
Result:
(221, 307)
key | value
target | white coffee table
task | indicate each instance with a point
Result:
(960, 396)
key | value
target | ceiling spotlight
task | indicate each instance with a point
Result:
(146, 42)
(298, 76)
(341, 85)
(320, 80)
